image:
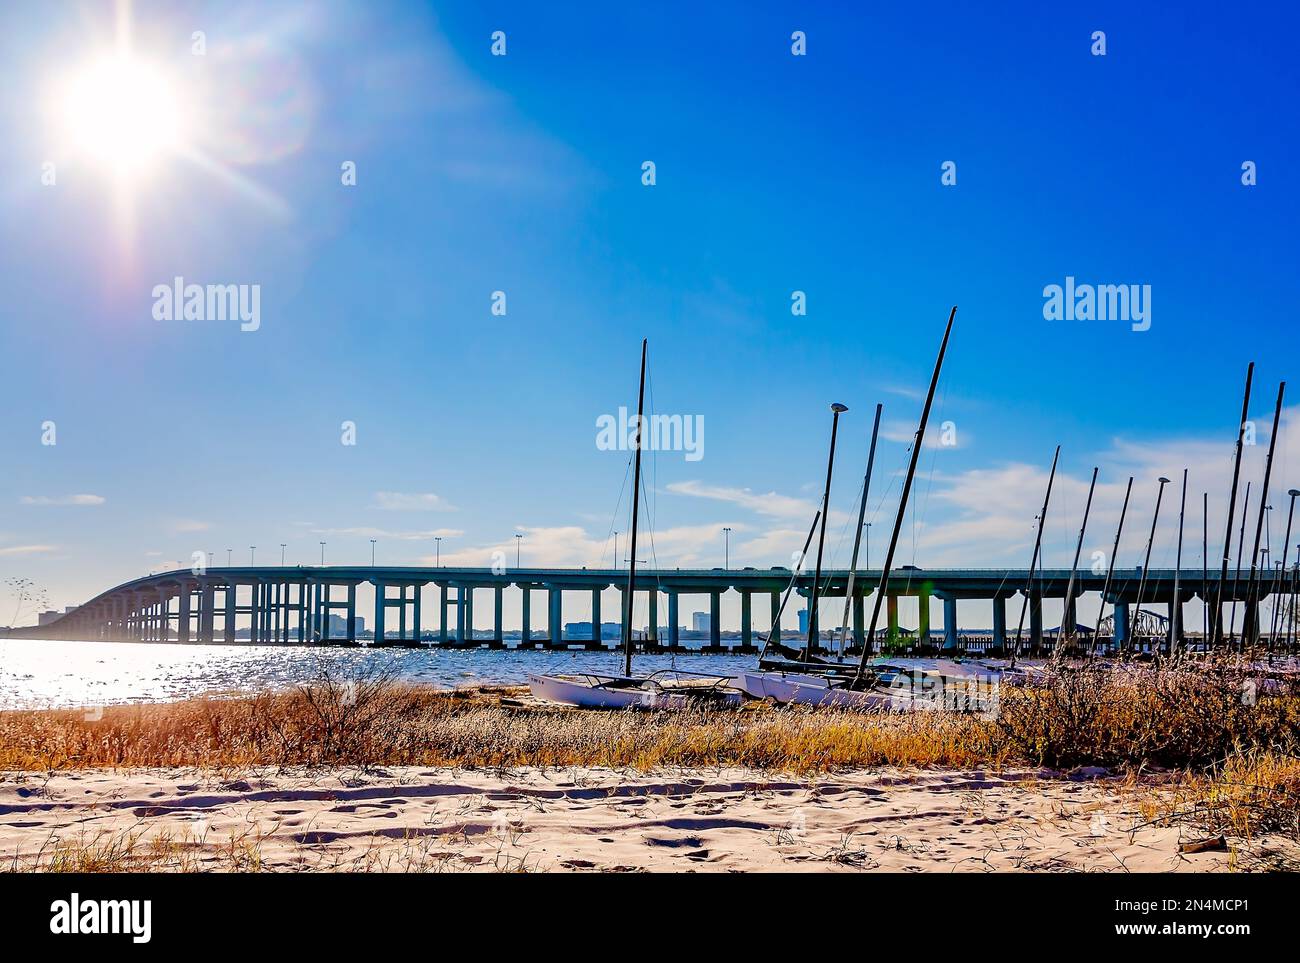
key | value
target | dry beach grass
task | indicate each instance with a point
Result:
(1200, 752)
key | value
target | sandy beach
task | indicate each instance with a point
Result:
(585, 819)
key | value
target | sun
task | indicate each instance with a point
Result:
(122, 113)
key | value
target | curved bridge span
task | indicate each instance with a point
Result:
(294, 604)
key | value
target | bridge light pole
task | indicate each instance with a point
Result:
(322, 553)
(229, 551)
(372, 553)
(282, 546)
(726, 535)
(437, 549)
(252, 554)
(519, 541)
(616, 548)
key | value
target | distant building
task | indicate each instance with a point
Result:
(51, 615)
(582, 630)
(336, 626)
(803, 621)
(701, 622)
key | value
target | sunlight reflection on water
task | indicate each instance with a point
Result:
(41, 673)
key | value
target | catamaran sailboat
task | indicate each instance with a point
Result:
(896, 684)
(665, 689)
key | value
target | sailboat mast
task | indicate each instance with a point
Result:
(1232, 505)
(1236, 578)
(1176, 610)
(1074, 569)
(902, 504)
(1110, 569)
(775, 631)
(857, 538)
(814, 627)
(1252, 600)
(628, 605)
(1146, 561)
(1033, 562)
(1205, 568)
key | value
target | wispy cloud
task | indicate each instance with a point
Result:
(62, 500)
(27, 549)
(182, 525)
(362, 531)
(768, 503)
(411, 502)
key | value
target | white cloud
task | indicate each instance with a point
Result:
(62, 500)
(411, 502)
(182, 525)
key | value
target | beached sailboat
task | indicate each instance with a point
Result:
(893, 684)
(666, 689)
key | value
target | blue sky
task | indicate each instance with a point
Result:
(522, 174)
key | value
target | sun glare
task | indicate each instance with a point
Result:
(122, 113)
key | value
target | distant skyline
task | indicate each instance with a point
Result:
(380, 397)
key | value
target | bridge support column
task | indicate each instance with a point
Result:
(352, 613)
(526, 621)
(442, 614)
(1121, 623)
(654, 615)
(228, 626)
(323, 610)
(595, 620)
(469, 613)
(715, 619)
(891, 614)
(183, 614)
(746, 622)
(859, 620)
(555, 613)
(1036, 621)
(498, 617)
(674, 620)
(923, 621)
(1000, 622)
(950, 643)
(381, 605)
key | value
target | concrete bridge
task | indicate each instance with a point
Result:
(292, 604)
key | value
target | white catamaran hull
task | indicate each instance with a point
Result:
(589, 693)
(616, 692)
(900, 687)
(813, 690)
